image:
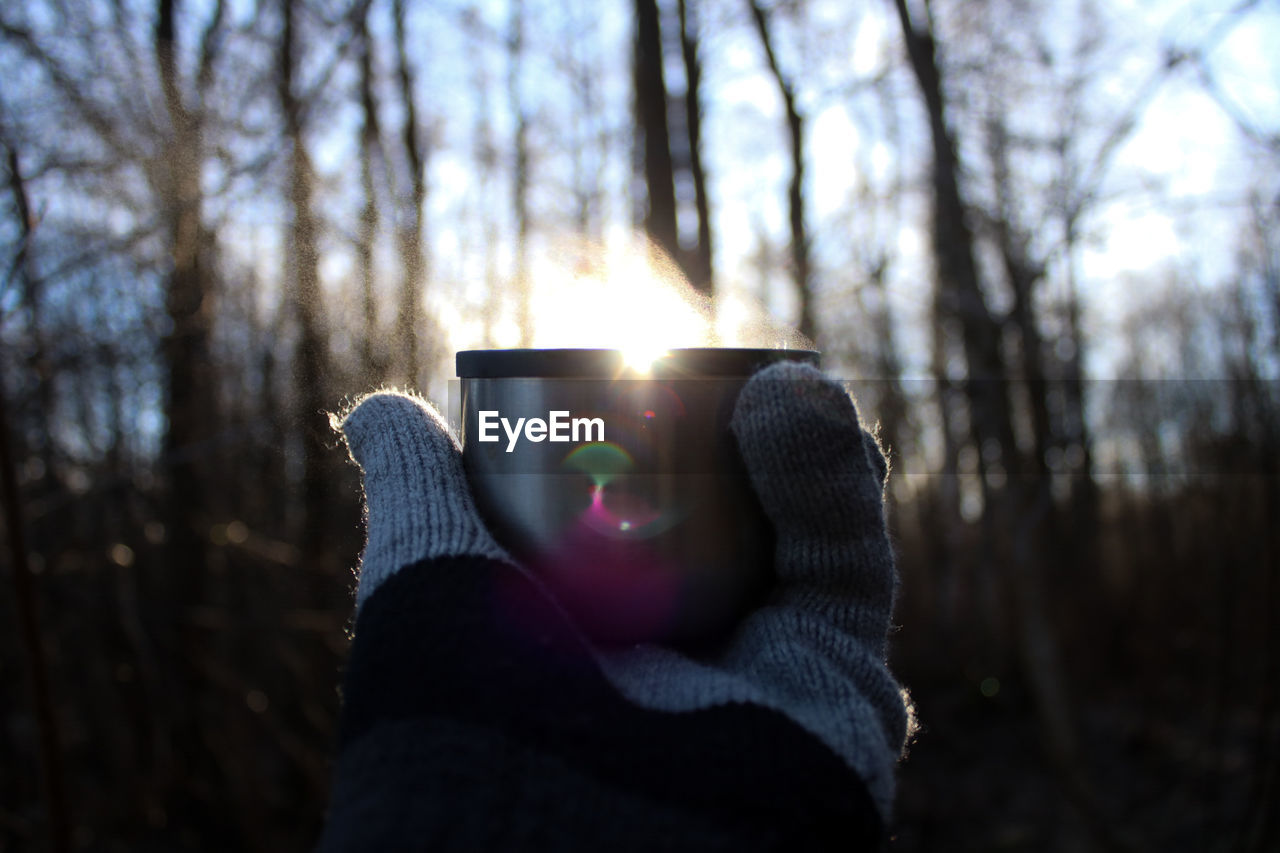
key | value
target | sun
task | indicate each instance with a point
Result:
(639, 358)
(620, 301)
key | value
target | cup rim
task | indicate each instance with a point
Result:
(557, 363)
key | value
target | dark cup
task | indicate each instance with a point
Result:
(629, 499)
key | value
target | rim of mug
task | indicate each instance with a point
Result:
(592, 363)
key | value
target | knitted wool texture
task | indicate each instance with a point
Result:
(814, 650)
(417, 502)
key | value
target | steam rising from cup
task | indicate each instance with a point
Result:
(628, 295)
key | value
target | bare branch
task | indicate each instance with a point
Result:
(1246, 126)
(69, 88)
(1124, 126)
(210, 45)
(795, 124)
(25, 595)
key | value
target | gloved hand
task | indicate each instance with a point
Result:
(813, 652)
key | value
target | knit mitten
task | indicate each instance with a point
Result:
(417, 502)
(814, 651)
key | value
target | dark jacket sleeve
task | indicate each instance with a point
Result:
(475, 720)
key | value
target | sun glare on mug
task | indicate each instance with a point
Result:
(640, 359)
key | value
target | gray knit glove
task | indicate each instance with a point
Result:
(814, 651)
(417, 502)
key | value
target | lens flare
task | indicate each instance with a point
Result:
(602, 461)
(621, 511)
(623, 504)
(639, 359)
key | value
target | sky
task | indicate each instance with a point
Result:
(1172, 198)
(1173, 201)
(1174, 204)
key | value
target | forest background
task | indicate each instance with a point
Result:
(1041, 236)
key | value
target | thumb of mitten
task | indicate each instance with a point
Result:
(417, 502)
(820, 478)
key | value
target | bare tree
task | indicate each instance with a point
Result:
(699, 263)
(520, 168)
(189, 293)
(22, 268)
(311, 356)
(25, 592)
(800, 264)
(409, 224)
(959, 297)
(372, 157)
(651, 125)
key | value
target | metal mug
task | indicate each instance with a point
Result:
(621, 488)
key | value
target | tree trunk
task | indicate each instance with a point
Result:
(800, 267)
(25, 594)
(651, 120)
(1084, 492)
(960, 296)
(371, 361)
(940, 513)
(310, 359)
(1023, 275)
(409, 316)
(29, 282)
(520, 176)
(699, 263)
(189, 386)
(193, 423)
(887, 365)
